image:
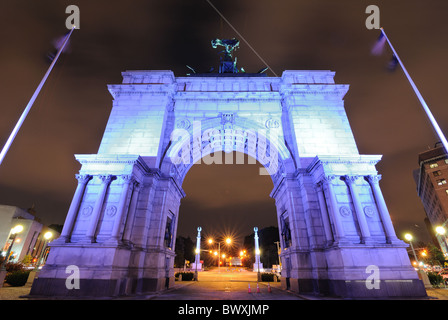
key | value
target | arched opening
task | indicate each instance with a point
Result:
(227, 200)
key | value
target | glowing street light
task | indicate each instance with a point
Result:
(48, 235)
(440, 230)
(227, 241)
(409, 237)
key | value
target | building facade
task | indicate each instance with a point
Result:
(30, 241)
(432, 187)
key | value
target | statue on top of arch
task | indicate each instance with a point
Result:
(227, 64)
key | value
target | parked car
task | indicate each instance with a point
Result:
(444, 274)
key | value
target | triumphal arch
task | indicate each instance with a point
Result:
(336, 234)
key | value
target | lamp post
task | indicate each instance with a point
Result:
(47, 236)
(14, 231)
(408, 237)
(257, 254)
(421, 273)
(226, 241)
(198, 253)
(440, 231)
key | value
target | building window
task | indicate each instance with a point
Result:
(437, 173)
(434, 165)
(446, 191)
(441, 182)
(446, 161)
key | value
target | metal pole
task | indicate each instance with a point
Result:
(219, 256)
(33, 98)
(415, 256)
(419, 96)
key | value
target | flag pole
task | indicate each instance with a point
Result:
(419, 96)
(33, 98)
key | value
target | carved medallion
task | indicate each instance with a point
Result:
(272, 123)
(183, 124)
(87, 211)
(111, 211)
(345, 211)
(369, 211)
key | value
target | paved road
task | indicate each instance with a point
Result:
(217, 286)
(227, 285)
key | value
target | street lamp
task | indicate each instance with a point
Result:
(14, 231)
(409, 237)
(226, 241)
(440, 232)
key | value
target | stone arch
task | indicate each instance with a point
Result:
(333, 219)
(189, 144)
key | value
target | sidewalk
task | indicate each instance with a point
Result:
(15, 293)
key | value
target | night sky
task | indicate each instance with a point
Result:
(71, 113)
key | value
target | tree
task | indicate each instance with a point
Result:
(428, 253)
(267, 238)
(184, 251)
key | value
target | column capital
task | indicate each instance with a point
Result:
(128, 178)
(375, 179)
(329, 178)
(137, 186)
(83, 178)
(106, 178)
(318, 185)
(351, 179)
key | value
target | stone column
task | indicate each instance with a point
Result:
(74, 208)
(382, 208)
(339, 234)
(362, 221)
(127, 180)
(90, 235)
(258, 266)
(130, 218)
(197, 260)
(324, 213)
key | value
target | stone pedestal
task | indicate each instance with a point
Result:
(196, 266)
(258, 266)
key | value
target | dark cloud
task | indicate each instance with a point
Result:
(70, 115)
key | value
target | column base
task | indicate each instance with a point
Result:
(357, 289)
(258, 266)
(196, 266)
(98, 288)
